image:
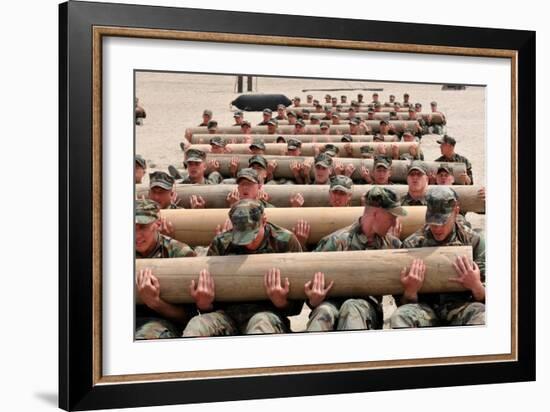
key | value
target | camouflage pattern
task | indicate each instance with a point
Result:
(408, 156)
(140, 161)
(408, 200)
(367, 152)
(384, 161)
(218, 141)
(418, 166)
(323, 159)
(248, 174)
(421, 315)
(341, 183)
(213, 178)
(331, 150)
(441, 201)
(212, 124)
(258, 159)
(347, 138)
(258, 144)
(210, 324)
(147, 211)
(246, 218)
(384, 198)
(194, 155)
(294, 144)
(155, 328)
(166, 247)
(162, 180)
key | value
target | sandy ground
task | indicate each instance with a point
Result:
(174, 102)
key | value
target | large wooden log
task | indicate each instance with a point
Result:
(314, 195)
(398, 168)
(355, 274)
(272, 138)
(308, 149)
(399, 126)
(197, 227)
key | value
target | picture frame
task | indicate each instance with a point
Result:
(82, 27)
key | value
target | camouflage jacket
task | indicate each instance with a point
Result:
(276, 240)
(408, 200)
(458, 159)
(167, 247)
(461, 236)
(408, 156)
(212, 179)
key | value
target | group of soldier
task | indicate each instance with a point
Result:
(247, 231)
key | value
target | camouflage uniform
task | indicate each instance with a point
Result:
(356, 313)
(195, 155)
(437, 309)
(149, 325)
(164, 181)
(455, 157)
(250, 317)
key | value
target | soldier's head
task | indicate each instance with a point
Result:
(206, 116)
(146, 224)
(212, 127)
(444, 175)
(433, 106)
(328, 109)
(330, 149)
(377, 107)
(272, 126)
(309, 98)
(442, 209)
(346, 138)
(418, 107)
(314, 120)
(323, 168)
(367, 152)
(343, 99)
(408, 137)
(411, 112)
(291, 117)
(447, 145)
(257, 147)
(354, 126)
(370, 113)
(375, 97)
(384, 127)
(294, 147)
(195, 161)
(406, 97)
(417, 178)
(360, 97)
(217, 144)
(245, 127)
(327, 98)
(340, 191)
(382, 170)
(161, 188)
(248, 183)
(280, 139)
(299, 126)
(392, 98)
(139, 168)
(324, 128)
(297, 101)
(248, 220)
(259, 164)
(267, 114)
(281, 109)
(335, 117)
(238, 116)
(382, 208)
(334, 101)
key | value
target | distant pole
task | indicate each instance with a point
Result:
(239, 84)
(249, 83)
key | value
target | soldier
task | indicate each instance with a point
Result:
(218, 145)
(257, 147)
(281, 112)
(417, 180)
(296, 101)
(354, 127)
(447, 147)
(406, 102)
(360, 98)
(330, 149)
(385, 128)
(328, 98)
(414, 153)
(418, 107)
(266, 117)
(392, 102)
(437, 128)
(437, 309)
(335, 118)
(375, 99)
(195, 162)
(318, 108)
(291, 118)
(328, 113)
(238, 116)
(248, 187)
(272, 126)
(305, 114)
(264, 168)
(212, 127)
(140, 167)
(246, 127)
(324, 128)
(381, 171)
(421, 127)
(323, 169)
(346, 138)
(139, 112)
(294, 147)
(251, 233)
(206, 117)
(340, 191)
(444, 175)
(369, 232)
(370, 114)
(334, 101)
(309, 98)
(161, 190)
(315, 121)
(367, 152)
(343, 99)
(299, 127)
(156, 318)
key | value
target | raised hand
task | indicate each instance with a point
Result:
(276, 290)
(203, 291)
(315, 289)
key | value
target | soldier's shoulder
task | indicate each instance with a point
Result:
(393, 241)
(280, 233)
(176, 248)
(416, 239)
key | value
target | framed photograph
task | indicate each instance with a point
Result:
(198, 148)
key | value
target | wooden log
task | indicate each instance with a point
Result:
(197, 227)
(355, 273)
(314, 195)
(399, 126)
(308, 149)
(304, 138)
(399, 168)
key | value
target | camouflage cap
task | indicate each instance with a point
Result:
(447, 139)
(218, 141)
(411, 109)
(406, 95)
(258, 144)
(377, 104)
(330, 149)
(294, 144)
(328, 107)
(335, 114)
(280, 139)
(347, 138)
(324, 125)
(162, 180)
(434, 103)
(359, 94)
(212, 124)
(245, 123)
(273, 122)
(323, 159)
(147, 211)
(258, 159)
(418, 105)
(384, 198)
(297, 98)
(281, 106)
(207, 112)
(370, 110)
(140, 161)
(366, 149)
(267, 111)
(383, 161)
(238, 113)
(383, 122)
(354, 121)
(194, 155)
(392, 95)
(305, 111)
(419, 166)
(309, 96)
(341, 183)
(445, 167)
(291, 114)
(246, 217)
(327, 96)
(441, 201)
(249, 174)
(300, 122)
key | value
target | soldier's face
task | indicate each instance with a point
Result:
(353, 128)
(146, 236)
(271, 128)
(444, 178)
(262, 173)
(322, 174)
(216, 149)
(299, 128)
(440, 232)
(334, 101)
(248, 189)
(139, 172)
(417, 181)
(381, 175)
(325, 130)
(384, 128)
(374, 97)
(238, 119)
(382, 222)
(281, 111)
(196, 169)
(408, 138)
(245, 129)
(257, 151)
(206, 118)
(337, 198)
(291, 120)
(266, 116)
(161, 196)
(294, 152)
(446, 149)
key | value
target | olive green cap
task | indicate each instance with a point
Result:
(141, 161)
(249, 174)
(347, 138)
(212, 124)
(441, 201)
(383, 161)
(341, 183)
(417, 165)
(257, 143)
(246, 217)
(323, 159)
(447, 139)
(218, 141)
(386, 199)
(147, 211)
(445, 167)
(258, 159)
(330, 149)
(194, 155)
(162, 180)
(294, 144)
